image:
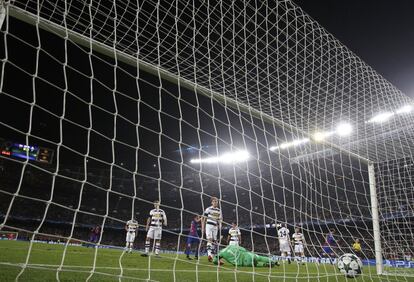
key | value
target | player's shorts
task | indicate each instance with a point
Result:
(154, 233)
(211, 232)
(233, 243)
(130, 237)
(284, 247)
(327, 250)
(192, 240)
(93, 238)
(298, 248)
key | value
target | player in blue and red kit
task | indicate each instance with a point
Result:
(193, 237)
(95, 234)
(329, 245)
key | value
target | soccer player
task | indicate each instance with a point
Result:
(239, 256)
(193, 237)
(407, 255)
(299, 241)
(155, 221)
(211, 224)
(284, 242)
(130, 227)
(330, 243)
(234, 237)
(94, 235)
(356, 247)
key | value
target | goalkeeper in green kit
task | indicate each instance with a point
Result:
(239, 256)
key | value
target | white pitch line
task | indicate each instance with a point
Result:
(44, 267)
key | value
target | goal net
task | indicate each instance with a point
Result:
(108, 106)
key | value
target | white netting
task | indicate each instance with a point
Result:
(396, 198)
(126, 93)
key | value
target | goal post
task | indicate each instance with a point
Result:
(375, 219)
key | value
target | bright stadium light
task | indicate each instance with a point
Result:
(320, 136)
(228, 158)
(404, 109)
(293, 143)
(382, 117)
(343, 129)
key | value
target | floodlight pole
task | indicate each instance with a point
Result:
(375, 219)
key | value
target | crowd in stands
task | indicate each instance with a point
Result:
(69, 204)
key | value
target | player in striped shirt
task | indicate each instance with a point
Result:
(155, 221)
(211, 224)
(131, 228)
(299, 241)
(234, 237)
(284, 242)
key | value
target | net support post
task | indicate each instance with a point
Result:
(375, 218)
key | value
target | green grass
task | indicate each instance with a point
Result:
(44, 261)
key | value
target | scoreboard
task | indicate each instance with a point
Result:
(29, 152)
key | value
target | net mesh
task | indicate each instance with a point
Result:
(125, 94)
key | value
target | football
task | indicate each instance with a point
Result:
(350, 265)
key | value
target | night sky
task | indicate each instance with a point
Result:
(379, 31)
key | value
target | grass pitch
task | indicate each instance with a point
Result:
(52, 262)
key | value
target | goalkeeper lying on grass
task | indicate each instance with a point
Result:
(239, 256)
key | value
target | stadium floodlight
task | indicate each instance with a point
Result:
(343, 129)
(293, 143)
(320, 136)
(404, 109)
(382, 117)
(228, 158)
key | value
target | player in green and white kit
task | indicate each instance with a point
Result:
(239, 256)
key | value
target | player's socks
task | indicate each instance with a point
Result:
(157, 248)
(147, 246)
(209, 251)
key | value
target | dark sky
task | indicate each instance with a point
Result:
(381, 32)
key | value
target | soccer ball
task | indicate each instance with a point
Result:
(350, 265)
